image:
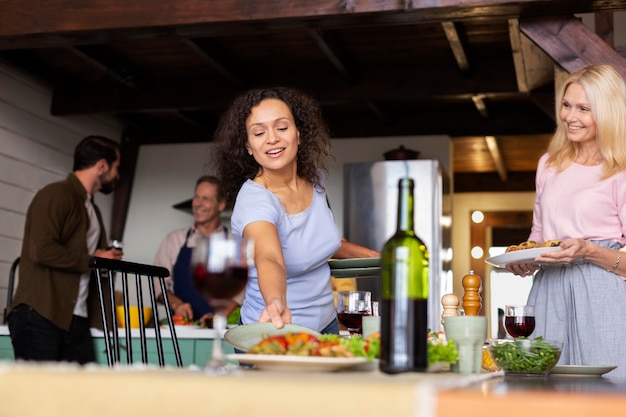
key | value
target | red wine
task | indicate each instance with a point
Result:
(352, 321)
(519, 326)
(403, 336)
(224, 284)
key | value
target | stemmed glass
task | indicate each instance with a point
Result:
(220, 266)
(519, 320)
(351, 307)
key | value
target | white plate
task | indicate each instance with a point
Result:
(581, 370)
(296, 363)
(525, 256)
(355, 272)
(354, 263)
(244, 336)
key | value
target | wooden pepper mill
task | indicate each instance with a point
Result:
(471, 299)
(450, 304)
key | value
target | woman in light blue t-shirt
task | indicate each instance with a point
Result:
(271, 150)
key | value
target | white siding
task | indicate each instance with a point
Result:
(35, 149)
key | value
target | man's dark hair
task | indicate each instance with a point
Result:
(92, 149)
(212, 180)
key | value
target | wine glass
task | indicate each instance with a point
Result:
(220, 266)
(519, 320)
(351, 307)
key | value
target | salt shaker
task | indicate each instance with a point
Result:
(450, 304)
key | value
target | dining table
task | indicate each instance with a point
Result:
(37, 389)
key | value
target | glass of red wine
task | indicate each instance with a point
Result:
(220, 266)
(351, 307)
(519, 320)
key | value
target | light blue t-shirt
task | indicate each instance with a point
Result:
(308, 240)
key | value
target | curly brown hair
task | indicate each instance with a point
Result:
(235, 165)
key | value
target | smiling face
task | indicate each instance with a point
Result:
(272, 135)
(576, 115)
(206, 205)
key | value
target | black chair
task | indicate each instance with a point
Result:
(108, 268)
(10, 288)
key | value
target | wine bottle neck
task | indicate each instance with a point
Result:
(405, 206)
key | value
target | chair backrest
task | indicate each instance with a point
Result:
(10, 287)
(105, 274)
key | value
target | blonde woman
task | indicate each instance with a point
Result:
(579, 292)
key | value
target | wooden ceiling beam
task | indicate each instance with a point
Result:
(112, 68)
(328, 46)
(604, 27)
(31, 24)
(570, 43)
(451, 30)
(481, 106)
(217, 60)
(533, 67)
(496, 156)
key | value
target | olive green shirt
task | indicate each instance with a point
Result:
(54, 253)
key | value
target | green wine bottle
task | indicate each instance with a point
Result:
(404, 293)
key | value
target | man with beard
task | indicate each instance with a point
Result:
(56, 302)
(174, 253)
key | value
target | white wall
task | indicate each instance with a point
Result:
(166, 175)
(35, 149)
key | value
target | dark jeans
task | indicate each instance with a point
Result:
(36, 338)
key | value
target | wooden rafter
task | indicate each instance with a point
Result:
(458, 50)
(97, 21)
(533, 67)
(496, 156)
(216, 60)
(570, 43)
(331, 52)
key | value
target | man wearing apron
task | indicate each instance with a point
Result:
(175, 250)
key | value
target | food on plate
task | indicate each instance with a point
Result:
(530, 244)
(328, 345)
(550, 243)
(333, 345)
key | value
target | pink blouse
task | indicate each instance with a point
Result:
(575, 203)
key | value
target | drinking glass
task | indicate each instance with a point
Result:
(519, 320)
(219, 267)
(351, 307)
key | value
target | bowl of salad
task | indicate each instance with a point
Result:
(524, 356)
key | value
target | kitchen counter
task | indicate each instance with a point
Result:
(182, 332)
(74, 391)
(195, 345)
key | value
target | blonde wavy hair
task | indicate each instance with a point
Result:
(606, 92)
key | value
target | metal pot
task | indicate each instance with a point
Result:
(401, 154)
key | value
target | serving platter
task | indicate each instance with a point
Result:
(244, 336)
(354, 263)
(581, 370)
(296, 363)
(355, 272)
(524, 256)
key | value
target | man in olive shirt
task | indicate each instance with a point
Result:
(56, 302)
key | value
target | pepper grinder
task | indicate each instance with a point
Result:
(450, 304)
(471, 299)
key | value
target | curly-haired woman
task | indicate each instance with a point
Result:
(272, 145)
